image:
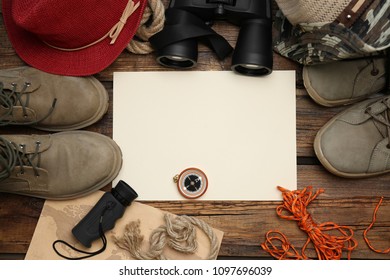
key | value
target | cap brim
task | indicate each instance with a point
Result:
(83, 62)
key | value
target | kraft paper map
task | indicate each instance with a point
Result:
(239, 130)
(59, 217)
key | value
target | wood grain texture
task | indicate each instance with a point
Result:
(345, 201)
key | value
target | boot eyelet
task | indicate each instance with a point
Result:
(374, 72)
(27, 84)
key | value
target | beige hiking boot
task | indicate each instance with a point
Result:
(356, 142)
(50, 102)
(59, 166)
(344, 82)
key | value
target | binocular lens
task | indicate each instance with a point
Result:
(253, 53)
(251, 70)
(176, 61)
(183, 54)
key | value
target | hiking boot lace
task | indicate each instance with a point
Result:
(10, 98)
(12, 155)
(382, 117)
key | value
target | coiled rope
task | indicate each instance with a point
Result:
(327, 246)
(152, 22)
(179, 233)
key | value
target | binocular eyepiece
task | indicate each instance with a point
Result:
(187, 22)
(183, 54)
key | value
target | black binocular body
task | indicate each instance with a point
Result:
(189, 21)
(103, 215)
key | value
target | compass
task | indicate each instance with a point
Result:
(191, 183)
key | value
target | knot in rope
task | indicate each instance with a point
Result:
(117, 28)
(179, 233)
(152, 22)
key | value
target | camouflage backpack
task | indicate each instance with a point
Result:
(318, 31)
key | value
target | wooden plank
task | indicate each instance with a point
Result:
(18, 218)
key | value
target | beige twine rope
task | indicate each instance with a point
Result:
(179, 233)
(152, 22)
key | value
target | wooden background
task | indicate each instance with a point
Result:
(345, 201)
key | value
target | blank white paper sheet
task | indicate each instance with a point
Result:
(240, 131)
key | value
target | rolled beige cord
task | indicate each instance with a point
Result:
(178, 233)
(152, 22)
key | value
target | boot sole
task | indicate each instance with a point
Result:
(325, 102)
(103, 108)
(328, 165)
(116, 167)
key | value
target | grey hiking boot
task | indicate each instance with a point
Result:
(50, 102)
(59, 166)
(344, 82)
(356, 142)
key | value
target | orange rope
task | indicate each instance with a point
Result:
(286, 251)
(370, 226)
(327, 246)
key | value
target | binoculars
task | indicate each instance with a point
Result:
(189, 21)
